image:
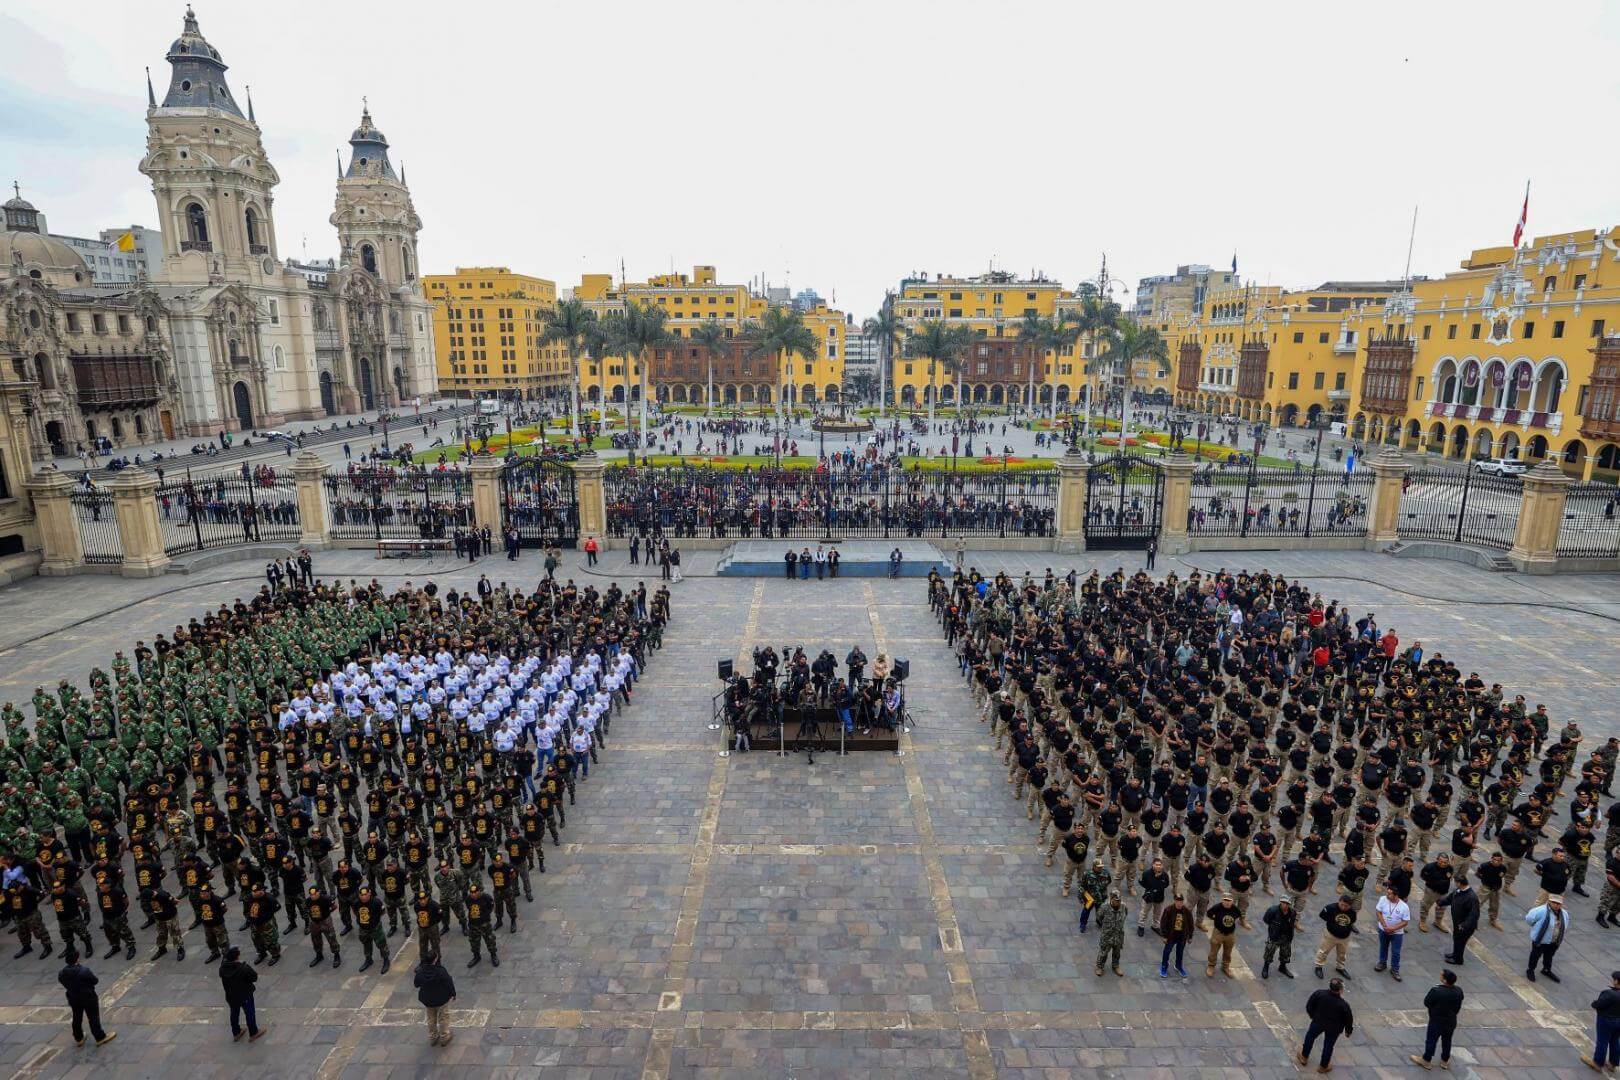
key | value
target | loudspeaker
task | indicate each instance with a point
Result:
(902, 668)
(725, 670)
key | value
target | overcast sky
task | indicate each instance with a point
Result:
(845, 144)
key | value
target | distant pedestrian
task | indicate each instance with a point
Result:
(1606, 1053)
(894, 563)
(591, 548)
(1444, 1002)
(238, 978)
(79, 982)
(1331, 1017)
(435, 989)
(1152, 551)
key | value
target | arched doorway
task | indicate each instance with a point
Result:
(55, 436)
(166, 422)
(1483, 443)
(244, 405)
(328, 398)
(367, 394)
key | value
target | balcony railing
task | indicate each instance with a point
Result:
(196, 245)
(141, 393)
(258, 249)
(1338, 395)
(1342, 347)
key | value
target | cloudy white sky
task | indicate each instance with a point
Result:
(843, 144)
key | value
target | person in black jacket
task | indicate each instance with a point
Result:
(1331, 1017)
(435, 989)
(1464, 904)
(238, 979)
(1607, 1007)
(1444, 1002)
(1281, 922)
(80, 984)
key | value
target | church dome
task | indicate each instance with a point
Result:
(31, 254)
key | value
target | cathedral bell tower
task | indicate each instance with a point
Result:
(374, 217)
(209, 172)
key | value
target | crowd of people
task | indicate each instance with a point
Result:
(344, 758)
(1195, 744)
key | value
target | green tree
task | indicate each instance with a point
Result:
(861, 386)
(782, 333)
(1124, 344)
(942, 345)
(713, 338)
(886, 327)
(1042, 335)
(568, 324)
(635, 332)
(1096, 318)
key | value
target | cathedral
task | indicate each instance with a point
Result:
(226, 335)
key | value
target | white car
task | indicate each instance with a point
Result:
(273, 434)
(1501, 466)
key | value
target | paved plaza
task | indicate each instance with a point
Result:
(753, 916)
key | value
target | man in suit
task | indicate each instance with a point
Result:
(79, 982)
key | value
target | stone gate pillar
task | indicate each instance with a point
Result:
(314, 516)
(486, 490)
(134, 493)
(1071, 508)
(52, 493)
(1383, 516)
(1178, 474)
(592, 495)
(1541, 517)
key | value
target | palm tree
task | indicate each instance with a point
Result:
(713, 337)
(1043, 335)
(885, 326)
(568, 324)
(782, 334)
(940, 343)
(1096, 317)
(1124, 344)
(636, 332)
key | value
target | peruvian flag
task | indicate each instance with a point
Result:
(1524, 215)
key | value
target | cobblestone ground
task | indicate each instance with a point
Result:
(752, 916)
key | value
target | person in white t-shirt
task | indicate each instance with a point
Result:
(1393, 915)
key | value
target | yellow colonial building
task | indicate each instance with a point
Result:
(1515, 354)
(488, 323)
(998, 369)
(679, 374)
(1261, 353)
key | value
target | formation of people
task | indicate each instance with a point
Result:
(1225, 753)
(350, 760)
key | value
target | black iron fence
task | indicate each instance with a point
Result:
(98, 526)
(1591, 524)
(540, 499)
(373, 504)
(878, 502)
(199, 512)
(1279, 502)
(1461, 505)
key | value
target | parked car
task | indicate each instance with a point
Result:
(1501, 466)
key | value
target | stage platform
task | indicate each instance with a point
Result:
(857, 558)
(765, 741)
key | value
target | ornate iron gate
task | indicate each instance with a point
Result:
(1124, 502)
(541, 500)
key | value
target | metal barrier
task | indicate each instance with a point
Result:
(1462, 506)
(876, 502)
(199, 512)
(1591, 525)
(373, 504)
(1279, 502)
(98, 526)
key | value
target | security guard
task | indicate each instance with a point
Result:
(479, 908)
(369, 915)
(318, 920)
(165, 914)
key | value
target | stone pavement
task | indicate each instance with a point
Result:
(753, 916)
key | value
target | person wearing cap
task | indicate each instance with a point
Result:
(1281, 920)
(1606, 1051)
(1176, 927)
(1111, 931)
(1548, 923)
(1224, 919)
(1094, 885)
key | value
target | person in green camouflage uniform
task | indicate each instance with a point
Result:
(1111, 919)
